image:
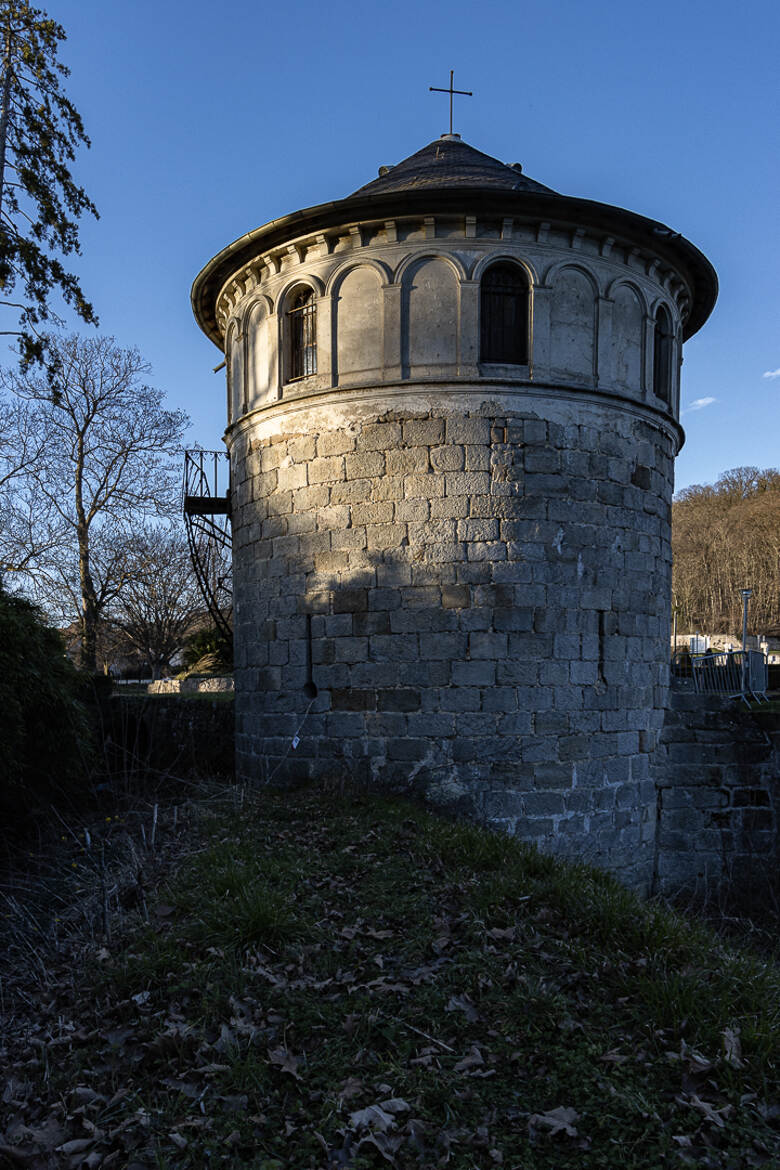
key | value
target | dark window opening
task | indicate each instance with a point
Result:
(662, 356)
(504, 315)
(302, 326)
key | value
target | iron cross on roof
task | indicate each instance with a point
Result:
(451, 92)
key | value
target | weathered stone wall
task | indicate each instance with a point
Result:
(717, 771)
(194, 685)
(486, 586)
(715, 778)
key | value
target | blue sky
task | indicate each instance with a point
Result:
(207, 121)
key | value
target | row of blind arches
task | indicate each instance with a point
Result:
(504, 318)
(504, 328)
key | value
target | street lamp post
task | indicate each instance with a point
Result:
(746, 595)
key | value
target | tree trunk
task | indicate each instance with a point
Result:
(89, 602)
(5, 106)
(89, 609)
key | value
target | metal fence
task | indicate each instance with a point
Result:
(732, 673)
(758, 674)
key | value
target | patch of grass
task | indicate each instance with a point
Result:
(356, 983)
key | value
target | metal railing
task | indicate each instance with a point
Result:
(758, 674)
(732, 673)
(209, 535)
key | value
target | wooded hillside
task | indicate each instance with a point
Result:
(726, 537)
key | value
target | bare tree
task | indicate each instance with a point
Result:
(161, 601)
(725, 537)
(105, 465)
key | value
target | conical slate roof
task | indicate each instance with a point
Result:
(448, 163)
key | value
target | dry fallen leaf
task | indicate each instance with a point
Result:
(76, 1146)
(558, 1120)
(708, 1111)
(352, 1087)
(386, 1145)
(284, 1060)
(462, 1003)
(472, 1058)
(373, 1117)
(83, 1095)
(732, 1047)
(395, 1105)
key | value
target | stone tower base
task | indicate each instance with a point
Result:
(476, 589)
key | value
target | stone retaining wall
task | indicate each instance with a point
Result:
(717, 773)
(715, 778)
(190, 686)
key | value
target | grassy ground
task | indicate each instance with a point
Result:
(328, 982)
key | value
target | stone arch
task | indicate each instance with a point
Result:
(261, 366)
(251, 304)
(637, 289)
(293, 284)
(384, 271)
(554, 271)
(414, 258)
(504, 324)
(490, 258)
(664, 347)
(358, 320)
(670, 306)
(234, 361)
(298, 352)
(573, 322)
(430, 312)
(626, 345)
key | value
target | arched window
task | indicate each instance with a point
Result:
(504, 315)
(302, 335)
(662, 355)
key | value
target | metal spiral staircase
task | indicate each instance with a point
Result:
(209, 533)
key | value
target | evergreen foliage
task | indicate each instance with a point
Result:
(46, 740)
(40, 203)
(210, 643)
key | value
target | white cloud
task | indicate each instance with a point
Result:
(771, 373)
(699, 404)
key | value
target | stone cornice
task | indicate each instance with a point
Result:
(417, 235)
(650, 242)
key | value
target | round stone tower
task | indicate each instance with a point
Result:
(453, 405)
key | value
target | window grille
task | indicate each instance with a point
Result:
(302, 323)
(662, 355)
(504, 315)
